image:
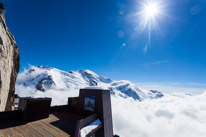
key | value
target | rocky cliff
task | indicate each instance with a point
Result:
(9, 64)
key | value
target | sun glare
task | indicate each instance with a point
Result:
(148, 17)
(151, 10)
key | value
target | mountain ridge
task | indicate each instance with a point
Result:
(44, 78)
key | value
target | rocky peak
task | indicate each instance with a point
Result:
(89, 76)
(156, 94)
(44, 67)
(45, 83)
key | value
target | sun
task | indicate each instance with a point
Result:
(150, 10)
(148, 17)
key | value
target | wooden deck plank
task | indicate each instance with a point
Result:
(41, 128)
(24, 131)
(33, 131)
(4, 133)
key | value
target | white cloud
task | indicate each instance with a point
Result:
(170, 116)
(157, 62)
(169, 87)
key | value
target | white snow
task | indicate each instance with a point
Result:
(85, 130)
(96, 87)
(63, 84)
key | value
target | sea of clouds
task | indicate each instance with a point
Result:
(170, 116)
(174, 115)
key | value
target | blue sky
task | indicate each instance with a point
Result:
(102, 36)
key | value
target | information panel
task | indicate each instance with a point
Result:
(89, 103)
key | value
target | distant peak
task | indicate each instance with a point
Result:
(44, 67)
(86, 71)
(155, 91)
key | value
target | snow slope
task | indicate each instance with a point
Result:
(44, 78)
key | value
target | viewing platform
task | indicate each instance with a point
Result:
(36, 118)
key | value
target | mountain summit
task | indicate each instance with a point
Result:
(45, 78)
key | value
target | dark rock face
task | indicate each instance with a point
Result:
(89, 77)
(1, 41)
(45, 83)
(9, 64)
(128, 91)
(1, 7)
(157, 94)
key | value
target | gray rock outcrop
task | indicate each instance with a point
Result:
(9, 64)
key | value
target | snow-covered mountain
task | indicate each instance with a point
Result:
(44, 78)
